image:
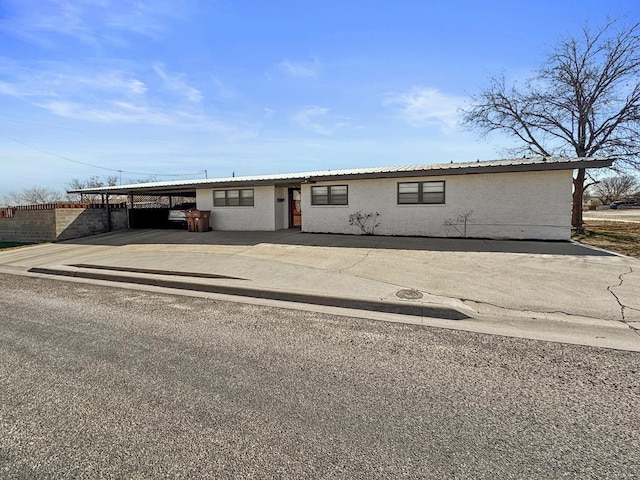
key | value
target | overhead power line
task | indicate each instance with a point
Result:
(99, 166)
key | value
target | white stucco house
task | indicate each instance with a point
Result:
(527, 198)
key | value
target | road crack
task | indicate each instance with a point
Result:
(530, 313)
(623, 307)
(366, 255)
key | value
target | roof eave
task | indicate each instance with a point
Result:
(445, 170)
(180, 189)
(473, 169)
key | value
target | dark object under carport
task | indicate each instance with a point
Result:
(148, 217)
(198, 220)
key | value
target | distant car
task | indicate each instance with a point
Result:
(623, 204)
(178, 213)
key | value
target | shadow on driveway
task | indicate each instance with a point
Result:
(295, 237)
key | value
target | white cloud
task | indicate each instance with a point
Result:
(176, 83)
(59, 80)
(299, 69)
(44, 22)
(427, 107)
(318, 120)
(223, 91)
(8, 89)
(90, 22)
(116, 95)
(73, 82)
(108, 81)
(108, 112)
(141, 18)
(122, 112)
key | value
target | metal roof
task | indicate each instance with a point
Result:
(178, 187)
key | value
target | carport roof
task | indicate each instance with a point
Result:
(188, 187)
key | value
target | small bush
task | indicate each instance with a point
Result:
(366, 222)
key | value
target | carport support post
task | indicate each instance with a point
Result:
(128, 213)
(108, 215)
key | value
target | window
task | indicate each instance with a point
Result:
(420, 192)
(330, 195)
(233, 198)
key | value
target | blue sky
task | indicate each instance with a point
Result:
(160, 88)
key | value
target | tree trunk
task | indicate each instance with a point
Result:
(578, 191)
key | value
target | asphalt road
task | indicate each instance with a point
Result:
(100, 382)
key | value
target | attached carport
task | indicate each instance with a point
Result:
(148, 205)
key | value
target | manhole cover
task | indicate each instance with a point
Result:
(409, 294)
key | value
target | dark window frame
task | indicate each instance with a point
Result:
(240, 198)
(421, 193)
(332, 199)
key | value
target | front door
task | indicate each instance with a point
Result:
(295, 211)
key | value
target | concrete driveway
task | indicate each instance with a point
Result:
(477, 282)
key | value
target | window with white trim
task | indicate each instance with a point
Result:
(330, 195)
(233, 198)
(420, 192)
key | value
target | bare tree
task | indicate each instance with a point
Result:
(33, 196)
(583, 102)
(143, 179)
(91, 182)
(615, 188)
(112, 180)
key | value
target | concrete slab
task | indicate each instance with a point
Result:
(492, 282)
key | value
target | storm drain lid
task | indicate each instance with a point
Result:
(409, 294)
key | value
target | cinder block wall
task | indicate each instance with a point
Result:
(29, 226)
(120, 219)
(79, 222)
(59, 224)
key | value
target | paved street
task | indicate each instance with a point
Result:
(619, 215)
(100, 382)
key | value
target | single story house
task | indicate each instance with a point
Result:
(528, 198)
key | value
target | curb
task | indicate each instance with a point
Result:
(414, 309)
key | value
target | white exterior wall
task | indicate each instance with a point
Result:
(261, 216)
(282, 208)
(524, 205)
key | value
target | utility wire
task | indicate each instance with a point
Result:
(98, 166)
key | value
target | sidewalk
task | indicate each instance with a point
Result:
(544, 290)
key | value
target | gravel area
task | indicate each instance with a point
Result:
(100, 382)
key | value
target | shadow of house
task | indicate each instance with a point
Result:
(59, 221)
(297, 238)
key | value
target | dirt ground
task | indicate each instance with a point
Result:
(616, 236)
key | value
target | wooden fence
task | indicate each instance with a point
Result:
(8, 212)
